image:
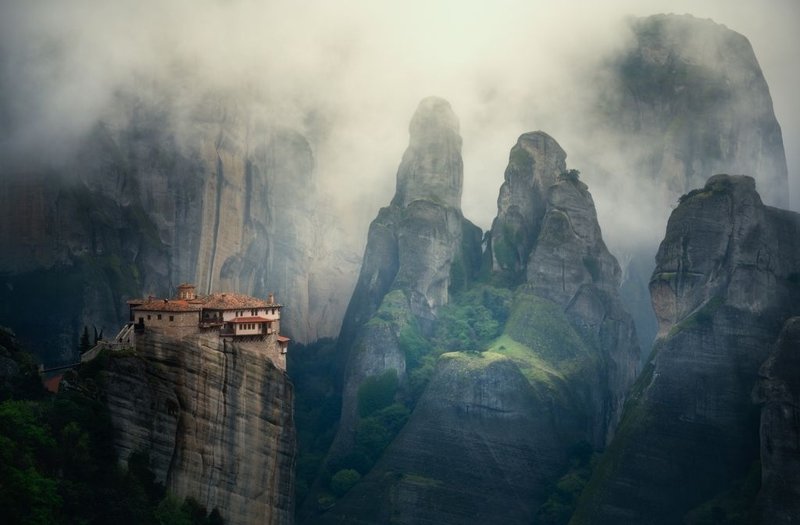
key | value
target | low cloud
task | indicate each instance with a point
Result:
(349, 75)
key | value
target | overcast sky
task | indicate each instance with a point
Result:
(506, 66)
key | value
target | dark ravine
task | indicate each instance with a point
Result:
(725, 282)
(215, 418)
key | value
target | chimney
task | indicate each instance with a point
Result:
(271, 299)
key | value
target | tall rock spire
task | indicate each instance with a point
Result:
(415, 247)
(534, 164)
(431, 168)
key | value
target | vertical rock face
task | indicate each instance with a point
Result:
(534, 164)
(778, 391)
(431, 168)
(478, 449)
(692, 101)
(215, 418)
(490, 435)
(571, 266)
(725, 281)
(687, 99)
(411, 250)
(162, 195)
(546, 232)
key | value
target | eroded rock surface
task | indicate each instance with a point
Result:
(490, 435)
(724, 284)
(412, 246)
(160, 194)
(478, 449)
(215, 418)
(778, 391)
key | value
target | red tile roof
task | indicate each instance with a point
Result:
(283, 339)
(52, 383)
(250, 320)
(167, 305)
(215, 301)
(232, 301)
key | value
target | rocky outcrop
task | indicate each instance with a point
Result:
(571, 266)
(546, 233)
(412, 248)
(689, 100)
(533, 166)
(166, 193)
(478, 449)
(491, 433)
(778, 391)
(725, 281)
(686, 99)
(215, 418)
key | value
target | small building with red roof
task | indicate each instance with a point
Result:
(234, 316)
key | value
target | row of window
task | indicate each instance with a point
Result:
(247, 326)
(254, 312)
(158, 317)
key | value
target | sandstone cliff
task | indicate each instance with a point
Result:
(725, 281)
(164, 193)
(215, 418)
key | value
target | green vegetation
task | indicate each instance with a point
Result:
(520, 157)
(472, 319)
(377, 392)
(542, 326)
(344, 480)
(570, 176)
(532, 366)
(700, 318)
(58, 464)
(564, 493)
(317, 405)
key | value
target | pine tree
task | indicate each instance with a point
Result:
(85, 344)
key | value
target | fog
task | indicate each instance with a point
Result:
(349, 75)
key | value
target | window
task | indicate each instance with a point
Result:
(141, 319)
(148, 317)
(159, 317)
(171, 318)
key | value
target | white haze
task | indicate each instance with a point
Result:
(350, 74)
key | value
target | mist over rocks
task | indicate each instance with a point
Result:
(684, 99)
(693, 99)
(160, 194)
(432, 168)
(411, 249)
(493, 429)
(725, 282)
(534, 164)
